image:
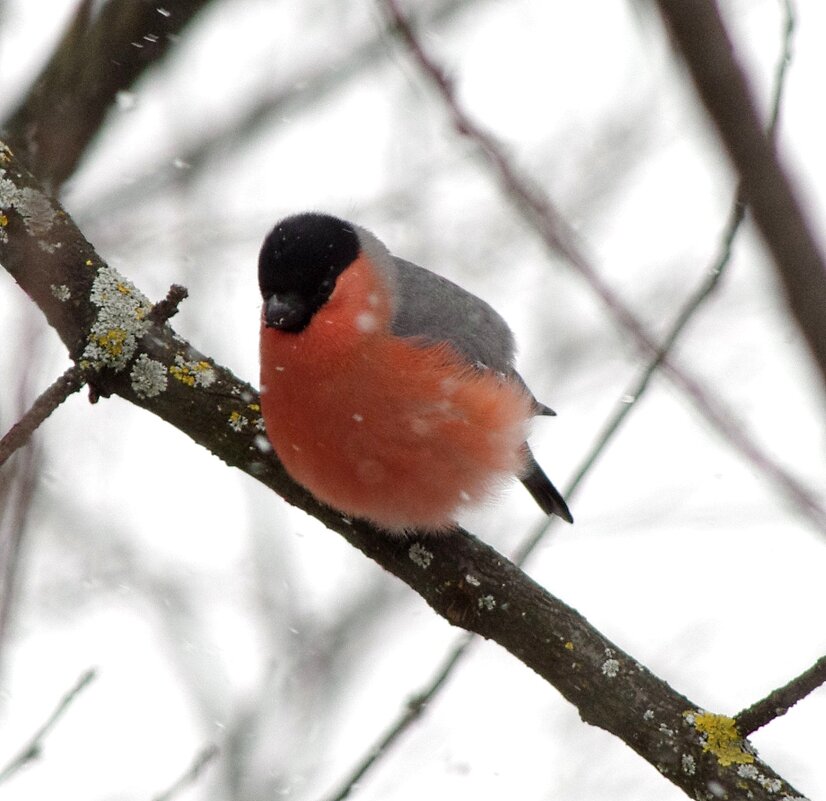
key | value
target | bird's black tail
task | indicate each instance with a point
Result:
(543, 491)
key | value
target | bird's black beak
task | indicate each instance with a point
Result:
(287, 311)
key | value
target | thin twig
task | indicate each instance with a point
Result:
(540, 211)
(167, 308)
(20, 433)
(34, 748)
(415, 707)
(192, 774)
(780, 701)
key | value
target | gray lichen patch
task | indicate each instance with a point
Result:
(120, 323)
(148, 377)
(35, 208)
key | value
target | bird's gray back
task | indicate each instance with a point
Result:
(437, 310)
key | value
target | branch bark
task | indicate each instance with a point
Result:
(103, 319)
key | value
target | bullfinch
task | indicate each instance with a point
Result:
(386, 390)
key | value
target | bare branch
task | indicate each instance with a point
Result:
(17, 490)
(698, 31)
(20, 433)
(167, 308)
(540, 211)
(780, 701)
(34, 747)
(192, 774)
(416, 706)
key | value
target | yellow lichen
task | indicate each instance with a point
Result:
(112, 341)
(183, 373)
(237, 421)
(4, 221)
(721, 738)
(254, 407)
(569, 646)
(192, 373)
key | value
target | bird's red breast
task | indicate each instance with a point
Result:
(395, 430)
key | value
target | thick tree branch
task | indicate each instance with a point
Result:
(99, 55)
(103, 320)
(698, 31)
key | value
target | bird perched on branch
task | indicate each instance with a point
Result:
(387, 391)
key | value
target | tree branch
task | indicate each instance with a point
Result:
(415, 707)
(102, 318)
(34, 747)
(191, 775)
(457, 652)
(698, 32)
(98, 56)
(780, 701)
(19, 434)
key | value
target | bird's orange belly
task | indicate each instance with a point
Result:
(402, 435)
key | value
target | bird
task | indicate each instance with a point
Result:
(388, 391)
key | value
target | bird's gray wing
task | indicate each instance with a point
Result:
(437, 310)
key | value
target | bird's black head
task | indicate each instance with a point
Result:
(298, 266)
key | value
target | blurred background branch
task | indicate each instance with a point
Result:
(199, 764)
(105, 49)
(698, 31)
(33, 749)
